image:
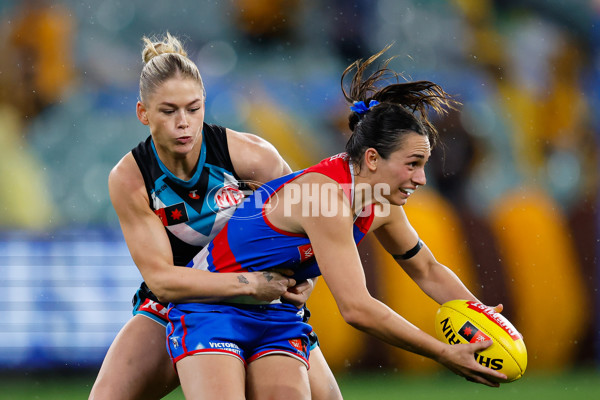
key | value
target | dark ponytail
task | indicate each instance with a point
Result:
(385, 114)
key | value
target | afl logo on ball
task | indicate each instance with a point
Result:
(228, 196)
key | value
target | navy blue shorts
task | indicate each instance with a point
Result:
(246, 332)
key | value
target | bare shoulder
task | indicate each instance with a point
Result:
(244, 138)
(254, 158)
(125, 180)
(244, 145)
(125, 171)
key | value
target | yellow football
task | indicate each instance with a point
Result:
(463, 321)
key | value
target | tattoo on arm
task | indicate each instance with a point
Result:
(268, 276)
(242, 279)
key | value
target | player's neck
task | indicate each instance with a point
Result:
(362, 194)
(182, 165)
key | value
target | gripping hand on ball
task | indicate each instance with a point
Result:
(460, 359)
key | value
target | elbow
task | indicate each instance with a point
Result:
(165, 296)
(358, 317)
(163, 290)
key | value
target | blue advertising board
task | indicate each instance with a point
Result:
(65, 297)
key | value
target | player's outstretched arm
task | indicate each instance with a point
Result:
(398, 237)
(339, 261)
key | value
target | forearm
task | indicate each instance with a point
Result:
(377, 319)
(442, 285)
(181, 284)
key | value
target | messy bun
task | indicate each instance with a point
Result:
(164, 59)
(169, 44)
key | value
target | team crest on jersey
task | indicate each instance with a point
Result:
(228, 196)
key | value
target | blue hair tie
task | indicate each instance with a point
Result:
(360, 107)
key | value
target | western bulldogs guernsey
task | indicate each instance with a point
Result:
(192, 211)
(249, 242)
(240, 327)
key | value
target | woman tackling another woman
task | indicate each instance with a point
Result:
(311, 222)
(172, 194)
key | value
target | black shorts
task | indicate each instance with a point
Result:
(146, 304)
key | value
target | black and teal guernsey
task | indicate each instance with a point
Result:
(192, 211)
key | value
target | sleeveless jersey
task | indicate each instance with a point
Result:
(192, 211)
(249, 242)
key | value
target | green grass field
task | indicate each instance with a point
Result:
(381, 386)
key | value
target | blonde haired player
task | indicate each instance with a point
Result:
(161, 191)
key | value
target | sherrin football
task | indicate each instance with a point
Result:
(463, 321)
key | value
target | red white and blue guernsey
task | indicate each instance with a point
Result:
(249, 242)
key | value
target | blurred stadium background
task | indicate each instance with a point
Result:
(511, 207)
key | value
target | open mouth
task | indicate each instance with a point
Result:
(407, 192)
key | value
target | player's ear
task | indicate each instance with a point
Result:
(141, 112)
(371, 159)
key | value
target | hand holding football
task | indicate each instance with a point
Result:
(463, 321)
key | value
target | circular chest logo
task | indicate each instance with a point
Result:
(228, 196)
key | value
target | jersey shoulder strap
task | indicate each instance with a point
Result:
(147, 162)
(217, 150)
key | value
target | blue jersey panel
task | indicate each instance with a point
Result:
(249, 242)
